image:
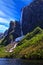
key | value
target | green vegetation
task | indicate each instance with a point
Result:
(30, 47)
(6, 40)
(3, 53)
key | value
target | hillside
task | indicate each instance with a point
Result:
(31, 46)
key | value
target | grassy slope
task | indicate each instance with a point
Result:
(31, 46)
(3, 52)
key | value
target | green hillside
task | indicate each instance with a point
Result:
(31, 46)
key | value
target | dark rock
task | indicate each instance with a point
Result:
(32, 16)
(14, 29)
(18, 28)
(13, 32)
(5, 33)
(1, 35)
(12, 26)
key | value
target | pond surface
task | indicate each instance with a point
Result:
(5, 61)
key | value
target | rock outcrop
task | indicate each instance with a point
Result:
(13, 32)
(14, 29)
(1, 35)
(32, 16)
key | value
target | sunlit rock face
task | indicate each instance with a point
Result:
(32, 16)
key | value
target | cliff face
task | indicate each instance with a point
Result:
(14, 29)
(11, 26)
(32, 16)
(17, 28)
(13, 32)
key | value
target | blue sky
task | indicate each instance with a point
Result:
(10, 10)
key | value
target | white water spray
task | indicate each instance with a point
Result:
(21, 23)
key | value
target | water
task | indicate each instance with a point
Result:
(4, 61)
(21, 23)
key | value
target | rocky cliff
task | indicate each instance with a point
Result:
(32, 16)
(13, 32)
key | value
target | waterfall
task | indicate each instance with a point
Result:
(21, 23)
(13, 47)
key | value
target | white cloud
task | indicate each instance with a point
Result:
(3, 20)
(3, 28)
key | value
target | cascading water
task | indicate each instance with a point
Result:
(11, 49)
(21, 23)
(21, 37)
